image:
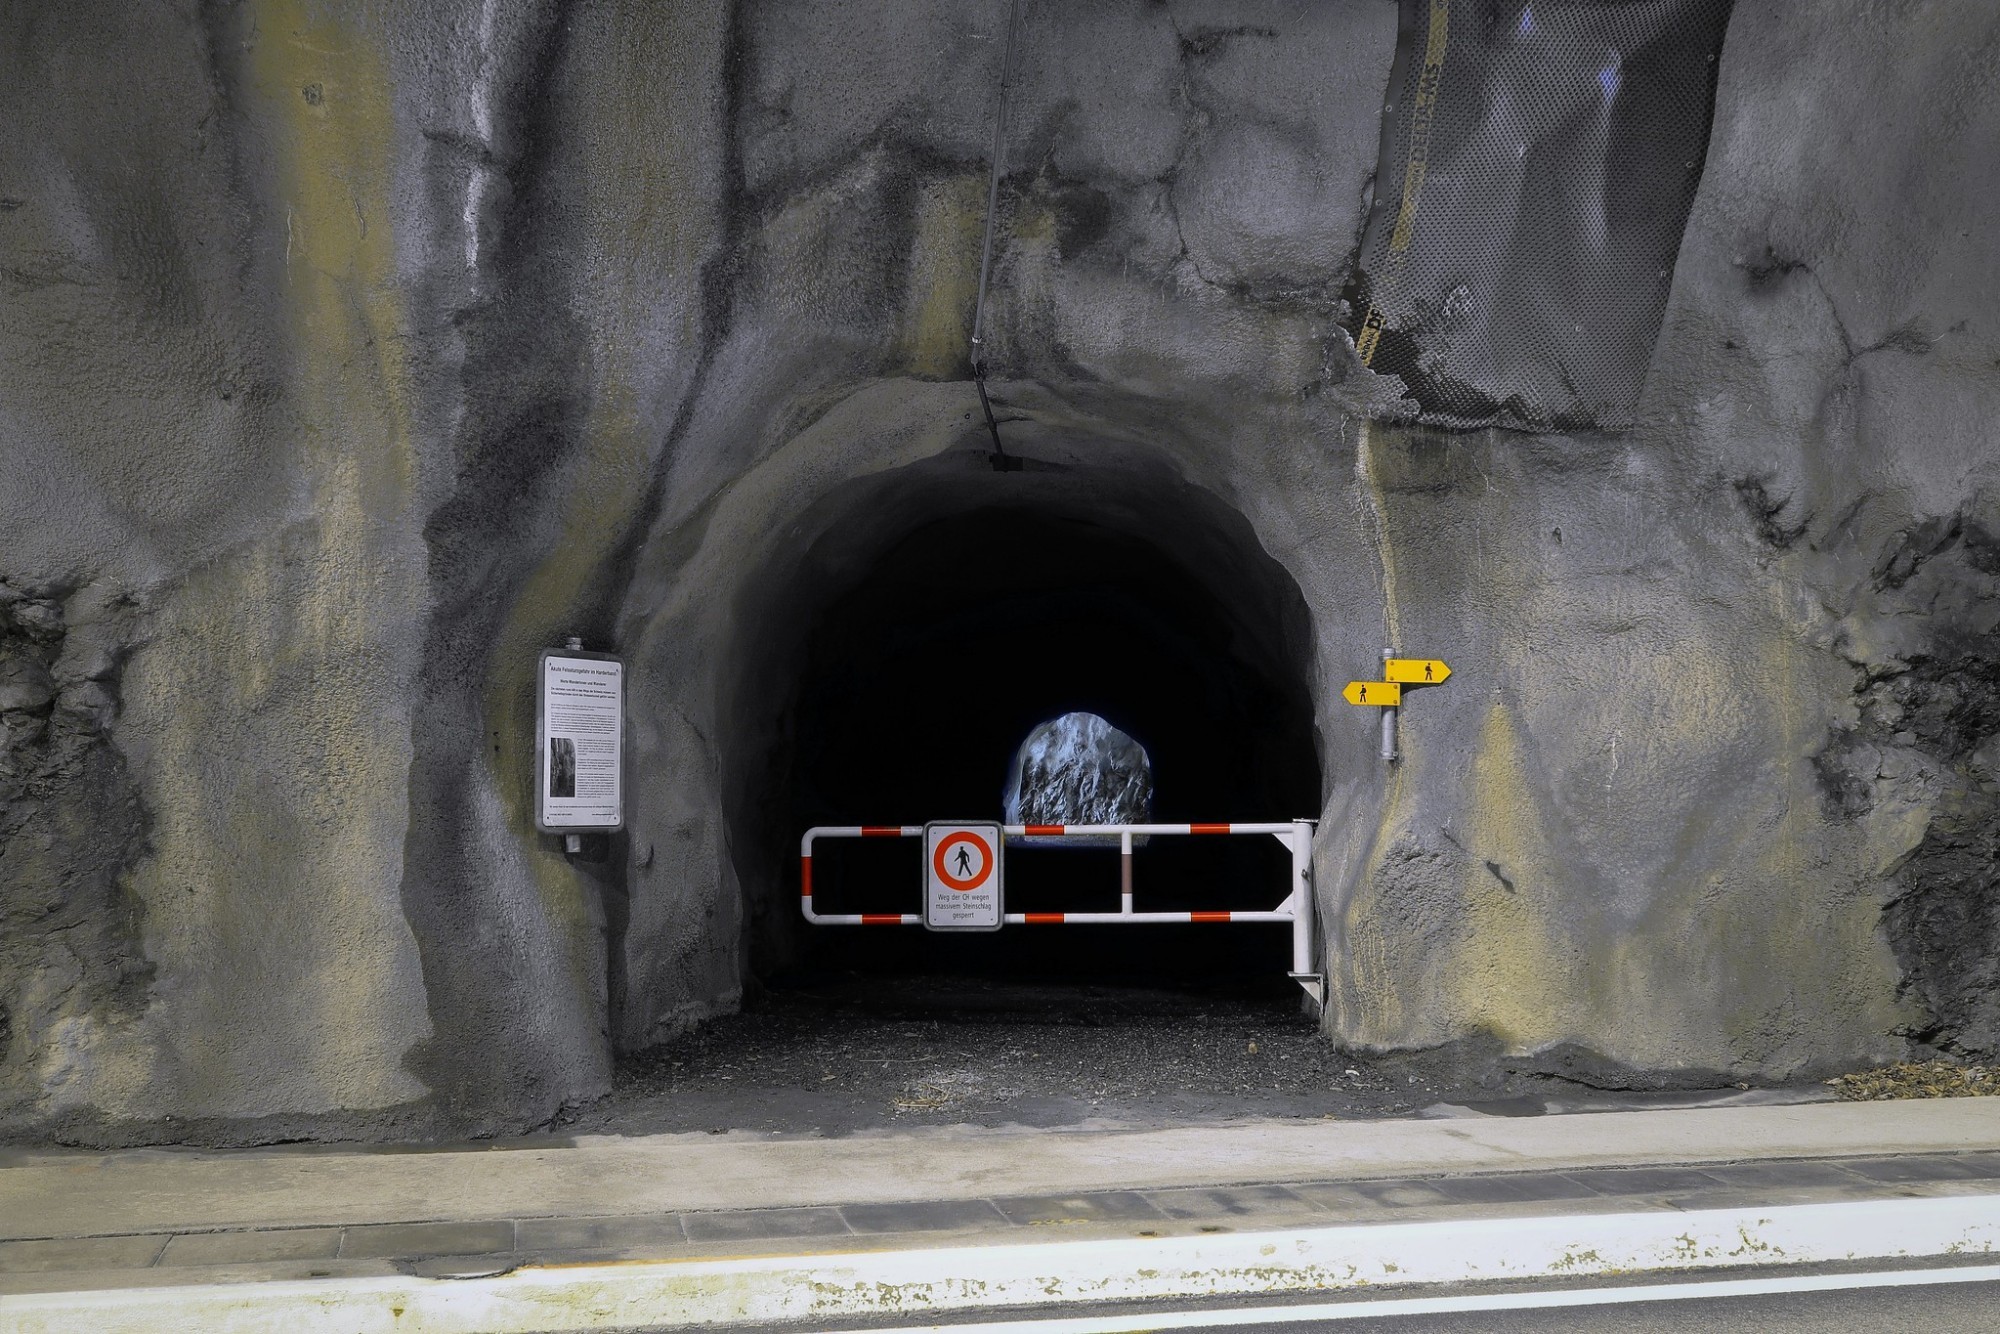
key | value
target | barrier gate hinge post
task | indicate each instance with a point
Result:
(1304, 928)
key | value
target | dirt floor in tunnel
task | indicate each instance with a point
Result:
(846, 1054)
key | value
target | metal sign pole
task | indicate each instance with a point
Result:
(1388, 715)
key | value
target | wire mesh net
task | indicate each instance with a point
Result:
(1538, 164)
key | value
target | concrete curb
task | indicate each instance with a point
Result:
(947, 1279)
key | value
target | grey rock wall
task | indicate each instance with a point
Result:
(1833, 352)
(358, 351)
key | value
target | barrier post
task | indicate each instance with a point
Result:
(1303, 972)
(1124, 873)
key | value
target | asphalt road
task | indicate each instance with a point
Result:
(1969, 1307)
(1882, 1301)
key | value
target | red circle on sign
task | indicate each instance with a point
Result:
(970, 882)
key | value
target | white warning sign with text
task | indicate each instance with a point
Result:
(580, 730)
(962, 877)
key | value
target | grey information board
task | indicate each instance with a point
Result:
(579, 742)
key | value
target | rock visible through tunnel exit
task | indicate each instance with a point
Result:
(1079, 769)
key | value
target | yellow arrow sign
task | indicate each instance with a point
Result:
(1416, 671)
(1373, 693)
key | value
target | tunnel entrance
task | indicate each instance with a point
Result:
(905, 667)
(901, 636)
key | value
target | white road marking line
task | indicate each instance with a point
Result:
(1496, 1301)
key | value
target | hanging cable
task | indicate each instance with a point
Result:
(1000, 459)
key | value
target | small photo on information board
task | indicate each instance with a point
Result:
(579, 735)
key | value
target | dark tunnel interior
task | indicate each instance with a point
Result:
(917, 675)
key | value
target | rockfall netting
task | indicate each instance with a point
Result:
(1538, 164)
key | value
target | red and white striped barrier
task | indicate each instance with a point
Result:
(1297, 907)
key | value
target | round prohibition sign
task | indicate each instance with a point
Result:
(966, 882)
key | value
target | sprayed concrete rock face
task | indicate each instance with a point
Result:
(358, 352)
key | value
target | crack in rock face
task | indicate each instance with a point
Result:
(70, 825)
(1944, 922)
(1928, 738)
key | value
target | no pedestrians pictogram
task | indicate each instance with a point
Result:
(963, 860)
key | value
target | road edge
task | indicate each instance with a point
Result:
(943, 1280)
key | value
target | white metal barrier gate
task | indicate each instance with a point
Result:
(1297, 907)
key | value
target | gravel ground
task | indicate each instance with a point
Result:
(1919, 1079)
(843, 1055)
(850, 1054)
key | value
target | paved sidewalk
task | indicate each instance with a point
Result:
(81, 1222)
(73, 1193)
(488, 1246)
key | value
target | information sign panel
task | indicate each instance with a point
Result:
(962, 877)
(579, 742)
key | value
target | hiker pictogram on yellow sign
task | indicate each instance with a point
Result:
(1372, 693)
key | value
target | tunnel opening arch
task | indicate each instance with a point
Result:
(889, 660)
(741, 563)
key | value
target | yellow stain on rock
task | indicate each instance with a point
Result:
(325, 90)
(1753, 942)
(1508, 976)
(1386, 997)
(646, 218)
(1435, 956)
(1033, 220)
(944, 277)
(1377, 506)
(1787, 943)
(279, 749)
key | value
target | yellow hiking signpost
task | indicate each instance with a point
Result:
(1373, 693)
(1387, 695)
(1416, 671)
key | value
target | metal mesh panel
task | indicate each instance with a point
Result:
(1538, 164)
